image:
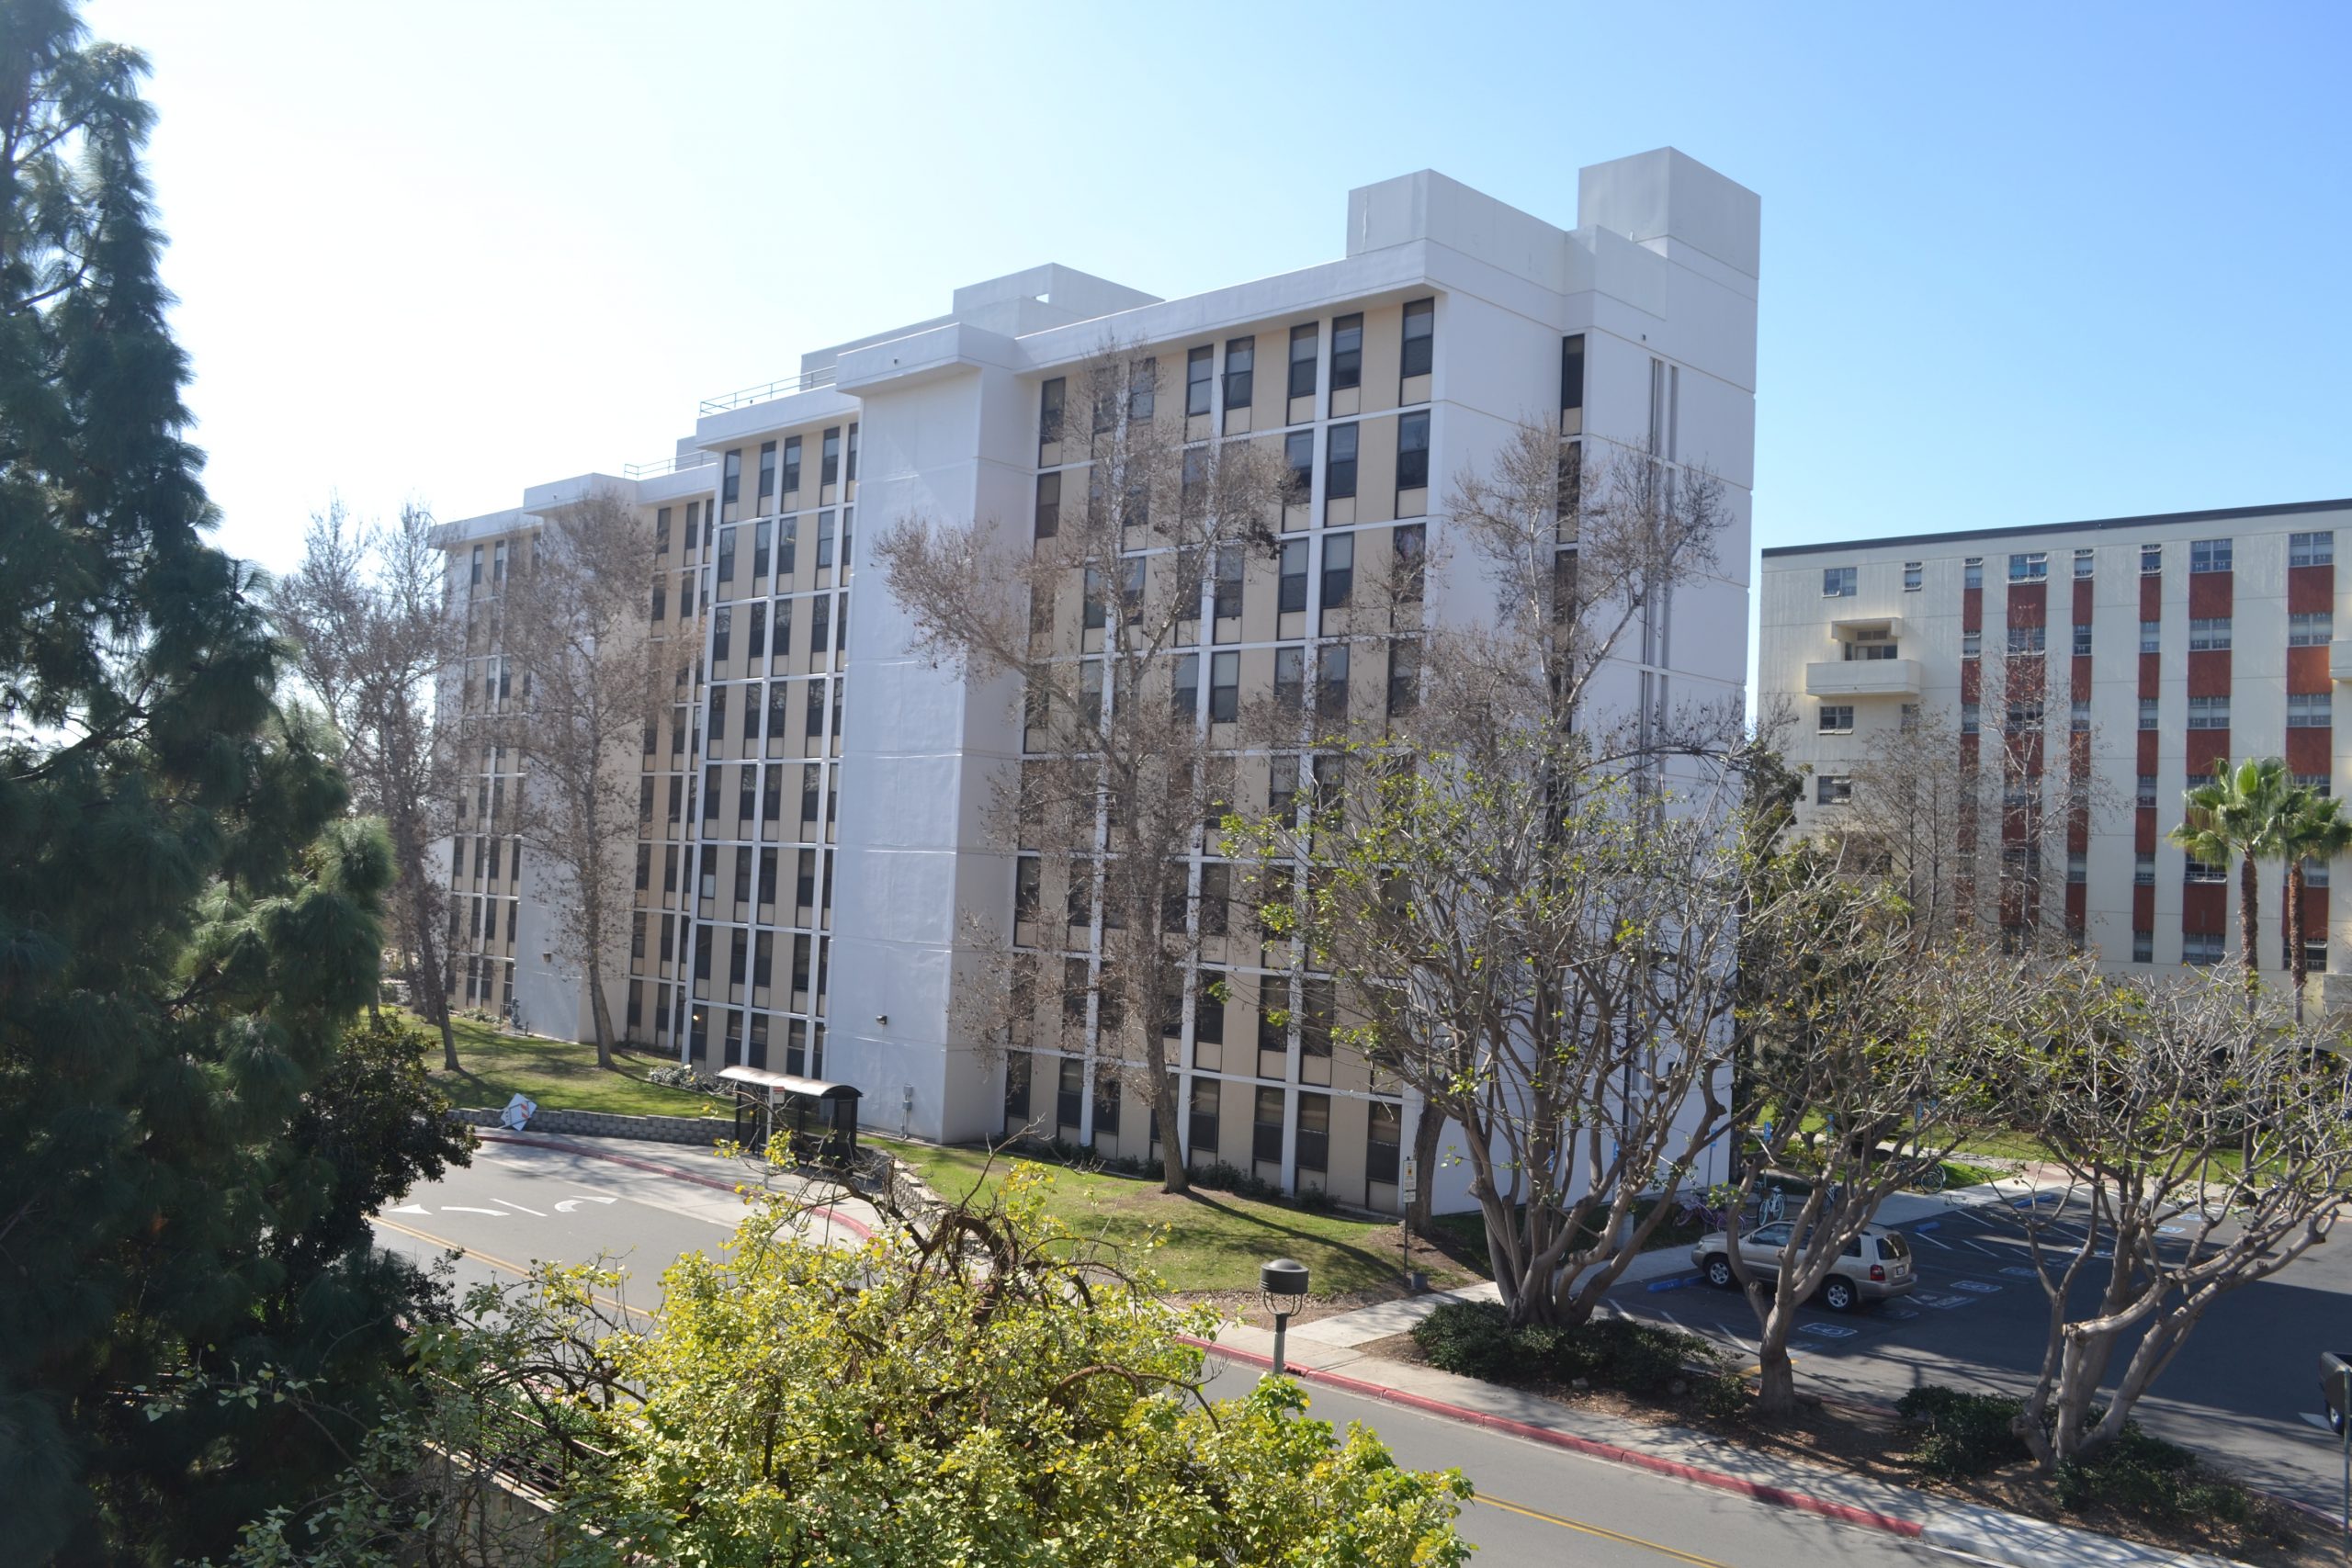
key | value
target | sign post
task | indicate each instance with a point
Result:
(1406, 1194)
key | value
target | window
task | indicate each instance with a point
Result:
(850, 468)
(1972, 645)
(1384, 1141)
(2152, 560)
(1240, 371)
(1572, 372)
(1303, 345)
(2309, 710)
(1347, 352)
(2200, 947)
(1403, 678)
(1862, 651)
(2077, 868)
(787, 541)
(1143, 389)
(1911, 571)
(1293, 580)
(824, 539)
(1331, 681)
(767, 473)
(661, 529)
(2311, 628)
(1312, 1149)
(1290, 677)
(2209, 713)
(1971, 572)
(1199, 370)
(1838, 582)
(730, 483)
(726, 556)
(2147, 713)
(1225, 687)
(1338, 569)
(828, 460)
(1298, 459)
(2082, 639)
(2079, 720)
(1202, 1115)
(2315, 954)
(2024, 716)
(2150, 636)
(1837, 718)
(2209, 555)
(1224, 583)
(2195, 870)
(2147, 791)
(2144, 870)
(1833, 789)
(1340, 463)
(1408, 543)
(2209, 635)
(1971, 718)
(722, 628)
(2084, 562)
(2311, 549)
(2028, 639)
(1420, 340)
(2321, 784)
(1050, 411)
(2315, 873)
(1049, 506)
(791, 464)
(1413, 452)
(2030, 568)
(2143, 947)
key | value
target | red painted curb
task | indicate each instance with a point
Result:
(857, 1228)
(1761, 1492)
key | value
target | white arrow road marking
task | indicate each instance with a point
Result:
(462, 1209)
(409, 1209)
(570, 1204)
(511, 1204)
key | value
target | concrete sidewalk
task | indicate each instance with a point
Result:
(1700, 1459)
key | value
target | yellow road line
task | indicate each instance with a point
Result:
(1675, 1552)
(519, 1270)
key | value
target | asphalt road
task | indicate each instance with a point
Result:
(2239, 1389)
(1537, 1506)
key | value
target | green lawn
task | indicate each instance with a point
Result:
(559, 1074)
(1215, 1240)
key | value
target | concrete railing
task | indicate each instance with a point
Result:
(702, 1130)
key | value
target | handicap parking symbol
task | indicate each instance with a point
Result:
(1827, 1330)
(1974, 1287)
(2019, 1273)
(1944, 1304)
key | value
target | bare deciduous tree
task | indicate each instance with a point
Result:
(2169, 1111)
(1866, 1058)
(364, 612)
(572, 621)
(1097, 618)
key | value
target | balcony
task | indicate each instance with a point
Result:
(1862, 678)
(2339, 661)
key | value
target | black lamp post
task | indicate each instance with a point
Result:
(1281, 1286)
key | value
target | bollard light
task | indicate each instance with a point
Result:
(1281, 1287)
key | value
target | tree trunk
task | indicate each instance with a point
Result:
(2296, 964)
(602, 1012)
(1427, 1130)
(1174, 1177)
(425, 985)
(1776, 1375)
(2249, 926)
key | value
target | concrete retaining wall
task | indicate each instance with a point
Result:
(701, 1130)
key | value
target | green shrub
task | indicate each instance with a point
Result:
(1474, 1338)
(2144, 1476)
(1961, 1434)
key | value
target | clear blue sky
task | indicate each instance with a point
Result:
(2022, 262)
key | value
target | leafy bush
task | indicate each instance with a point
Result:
(1474, 1339)
(678, 1075)
(1964, 1434)
(2148, 1477)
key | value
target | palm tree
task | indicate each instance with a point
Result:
(2316, 829)
(2242, 812)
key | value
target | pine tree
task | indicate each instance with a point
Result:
(188, 921)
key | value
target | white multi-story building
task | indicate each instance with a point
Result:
(815, 753)
(2162, 645)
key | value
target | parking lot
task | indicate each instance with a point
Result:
(2241, 1388)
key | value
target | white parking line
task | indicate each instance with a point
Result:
(1979, 1247)
(1918, 1236)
